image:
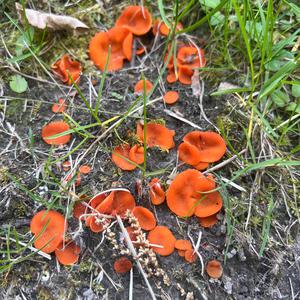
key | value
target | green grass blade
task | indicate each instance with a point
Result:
(161, 8)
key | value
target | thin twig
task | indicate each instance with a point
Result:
(224, 163)
(182, 119)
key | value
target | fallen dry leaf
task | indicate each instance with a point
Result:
(224, 86)
(55, 22)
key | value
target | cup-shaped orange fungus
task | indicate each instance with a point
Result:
(85, 169)
(145, 217)
(201, 166)
(170, 65)
(163, 29)
(120, 156)
(214, 269)
(208, 221)
(162, 236)
(79, 207)
(208, 204)
(185, 75)
(59, 107)
(66, 68)
(119, 40)
(69, 254)
(97, 199)
(171, 77)
(136, 154)
(211, 146)
(139, 87)
(48, 228)
(183, 245)
(190, 256)
(171, 97)
(188, 153)
(122, 265)
(96, 224)
(53, 128)
(140, 50)
(181, 252)
(157, 135)
(136, 19)
(184, 193)
(157, 193)
(116, 203)
(190, 57)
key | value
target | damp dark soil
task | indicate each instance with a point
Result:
(245, 275)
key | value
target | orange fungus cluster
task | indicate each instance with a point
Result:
(190, 193)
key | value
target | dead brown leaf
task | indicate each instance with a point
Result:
(55, 22)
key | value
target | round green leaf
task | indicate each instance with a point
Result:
(18, 84)
(296, 90)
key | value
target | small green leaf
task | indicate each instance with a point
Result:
(18, 84)
(217, 19)
(280, 98)
(296, 90)
(210, 3)
(279, 60)
(293, 107)
(117, 95)
(254, 29)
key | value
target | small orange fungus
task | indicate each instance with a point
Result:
(157, 135)
(139, 87)
(119, 40)
(84, 169)
(69, 254)
(120, 156)
(211, 146)
(157, 193)
(161, 235)
(136, 19)
(208, 221)
(122, 265)
(183, 245)
(171, 97)
(49, 228)
(60, 106)
(190, 256)
(116, 203)
(80, 208)
(145, 217)
(136, 154)
(184, 192)
(208, 204)
(53, 128)
(66, 68)
(214, 269)
(163, 28)
(190, 57)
